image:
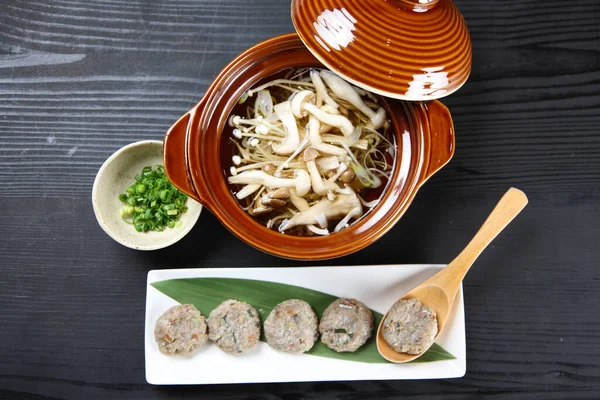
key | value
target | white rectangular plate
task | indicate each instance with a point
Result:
(378, 287)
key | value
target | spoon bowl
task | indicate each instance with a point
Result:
(439, 291)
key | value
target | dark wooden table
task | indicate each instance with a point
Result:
(79, 79)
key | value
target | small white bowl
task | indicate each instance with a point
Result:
(114, 177)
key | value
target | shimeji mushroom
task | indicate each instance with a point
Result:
(256, 177)
(292, 138)
(302, 205)
(321, 90)
(301, 182)
(247, 191)
(314, 133)
(301, 105)
(345, 91)
(299, 202)
(319, 186)
(338, 121)
(346, 205)
(276, 198)
(326, 164)
(299, 101)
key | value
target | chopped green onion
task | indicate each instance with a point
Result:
(362, 175)
(243, 98)
(152, 202)
(164, 195)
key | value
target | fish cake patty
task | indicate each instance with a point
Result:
(346, 325)
(410, 326)
(292, 327)
(234, 326)
(180, 330)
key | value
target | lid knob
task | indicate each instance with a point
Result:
(417, 5)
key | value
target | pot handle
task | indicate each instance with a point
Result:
(441, 136)
(175, 157)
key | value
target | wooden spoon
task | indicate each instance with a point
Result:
(439, 291)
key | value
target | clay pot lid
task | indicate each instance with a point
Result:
(404, 49)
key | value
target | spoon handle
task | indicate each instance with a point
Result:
(509, 206)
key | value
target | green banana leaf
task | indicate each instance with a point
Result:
(207, 293)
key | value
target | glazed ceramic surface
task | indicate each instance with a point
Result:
(198, 155)
(114, 177)
(404, 49)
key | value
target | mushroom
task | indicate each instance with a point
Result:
(301, 182)
(340, 170)
(269, 168)
(256, 177)
(326, 164)
(318, 185)
(345, 91)
(338, 121)
(276, 198)
(318, 231)
(330, 110)
(347, 176)
(345, 205)
(281, 194)
(321, 90)
(298, 100)
(299, 202)
(325, 128)
(354, 213)
(247, 191)
(298, 150)
(271, 202)
(292, 138)
(314, 133)
(259, 210)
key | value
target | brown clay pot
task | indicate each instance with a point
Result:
(197, 155)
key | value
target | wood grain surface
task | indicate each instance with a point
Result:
(80, 79)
